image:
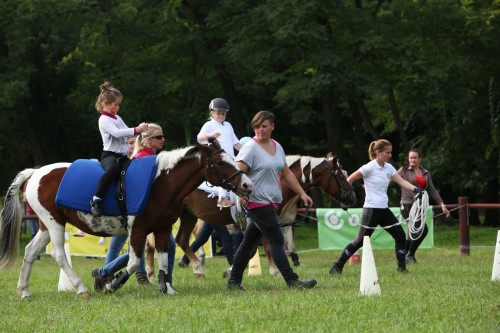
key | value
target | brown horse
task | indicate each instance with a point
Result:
(325, 173)
(179, 172)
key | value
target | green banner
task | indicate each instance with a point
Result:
(337, 228)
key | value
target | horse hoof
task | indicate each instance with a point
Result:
(296, 263)
(226, 273)
(85, 294)
(25, 296)
(199, 276)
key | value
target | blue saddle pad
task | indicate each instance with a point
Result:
(80, 182)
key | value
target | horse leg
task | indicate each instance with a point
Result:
(164, 279)
(150, 256)
(33, 249)
(290, 244)
(201, 251)
(182, 239)
(134, 258)
(273, 270)
(59, 255)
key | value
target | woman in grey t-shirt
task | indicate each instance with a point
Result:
(264, 161)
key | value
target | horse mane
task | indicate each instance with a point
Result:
(304, 161)
(167, 160)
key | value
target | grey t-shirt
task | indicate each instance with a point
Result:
(264, 171)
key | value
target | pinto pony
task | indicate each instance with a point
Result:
(178, 173)
(325, 173)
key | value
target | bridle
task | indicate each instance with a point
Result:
(226, 182)
(337, 174)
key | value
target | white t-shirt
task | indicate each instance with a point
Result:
(377, 181)
(227, 138)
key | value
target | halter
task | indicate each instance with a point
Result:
(226, 182)
(345, 189)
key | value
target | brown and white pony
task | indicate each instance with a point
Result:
(325, 173)
(179, 172)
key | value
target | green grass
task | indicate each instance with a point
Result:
(444, 292)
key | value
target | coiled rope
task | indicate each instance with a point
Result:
(417, 217)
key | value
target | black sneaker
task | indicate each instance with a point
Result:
(336, 268)
(98, 280)
(231, 285)
(410, 260)
(142, 279)
(299, 284)
(96, 207)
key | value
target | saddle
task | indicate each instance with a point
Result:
(80, 181)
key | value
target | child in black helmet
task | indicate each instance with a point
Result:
(218, 127)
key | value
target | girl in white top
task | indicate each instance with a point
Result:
(377, 175)
(219, 128)
(114, 135)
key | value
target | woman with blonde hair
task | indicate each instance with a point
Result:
(377, 174)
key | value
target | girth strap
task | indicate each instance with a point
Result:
(120, 193)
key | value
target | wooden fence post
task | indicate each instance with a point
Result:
(463, 226)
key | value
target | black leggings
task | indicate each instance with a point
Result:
(110, 164)
(262, 221)
(371, 218)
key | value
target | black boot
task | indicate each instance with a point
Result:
(401, 257)
(96, 207)
(338, 265)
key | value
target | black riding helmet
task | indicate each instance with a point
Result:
(218, 104)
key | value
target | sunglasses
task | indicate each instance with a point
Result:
(158, 137)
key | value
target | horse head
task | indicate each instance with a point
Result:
(222, 171)
(346, 195)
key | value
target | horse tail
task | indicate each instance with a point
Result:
(11, 217)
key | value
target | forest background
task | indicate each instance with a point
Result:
(337, 74)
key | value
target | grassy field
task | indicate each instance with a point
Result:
(444, 292)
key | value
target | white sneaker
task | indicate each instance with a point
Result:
(224, 203)
(79, 233)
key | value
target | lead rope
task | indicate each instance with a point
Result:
(418, 213)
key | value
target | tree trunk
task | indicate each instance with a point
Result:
(332, 112)
(237, 113)
(365, 117)
(397, 119)
(30, 133)
(359, 133)
(491, 216)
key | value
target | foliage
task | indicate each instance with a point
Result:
(326, 68)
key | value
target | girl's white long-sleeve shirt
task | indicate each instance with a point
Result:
(114, 133)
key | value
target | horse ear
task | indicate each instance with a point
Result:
(329, 155)
(215, 142)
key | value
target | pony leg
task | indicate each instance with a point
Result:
(165, 286)
(59, 255)
(290, 244)
(33, 249)
(150, 256)
(273, 270)
(122, 277)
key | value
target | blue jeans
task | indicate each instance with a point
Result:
(33, 224)
(204, 235)
(114, 263)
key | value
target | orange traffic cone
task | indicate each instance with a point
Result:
(355, 259)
